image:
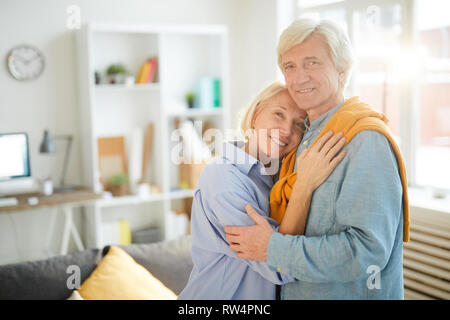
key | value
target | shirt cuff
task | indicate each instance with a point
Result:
(276, 254)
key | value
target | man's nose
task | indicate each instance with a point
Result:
(301, 76)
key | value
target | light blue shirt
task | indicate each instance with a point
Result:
(354, 227)
(225, 187)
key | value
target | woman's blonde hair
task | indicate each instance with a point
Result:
(259, 103)
(339, 45)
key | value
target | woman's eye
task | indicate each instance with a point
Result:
(313, 63)
(279, 114)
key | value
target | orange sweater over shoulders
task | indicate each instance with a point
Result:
(352, 117)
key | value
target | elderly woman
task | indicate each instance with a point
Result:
(239, 178)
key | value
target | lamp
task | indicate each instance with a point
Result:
(48, 146)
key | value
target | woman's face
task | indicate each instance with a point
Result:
(278, 126)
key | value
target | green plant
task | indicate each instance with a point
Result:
(190, 98)
(118, 179)
(116, 69)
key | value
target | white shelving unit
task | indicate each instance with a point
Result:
(185, 53)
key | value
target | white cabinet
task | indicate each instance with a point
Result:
(185, 54)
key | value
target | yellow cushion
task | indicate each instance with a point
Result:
(119, 277)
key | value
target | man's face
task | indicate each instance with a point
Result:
(311, 77)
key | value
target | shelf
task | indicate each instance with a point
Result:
(181, 194)
(197, 112)
(135, 199)
(118, 109)
(129, 200)
(125, 87)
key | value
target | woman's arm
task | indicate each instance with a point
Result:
(217, 210)
(294, 219)
(316, 164)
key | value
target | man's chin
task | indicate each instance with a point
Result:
(305, 104)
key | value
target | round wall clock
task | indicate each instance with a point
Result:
(25, 62)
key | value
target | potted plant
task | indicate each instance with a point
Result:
(118, 184)
(116, 73)
(190, 99)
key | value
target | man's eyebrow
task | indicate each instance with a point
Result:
(305, 58)
(309, 58)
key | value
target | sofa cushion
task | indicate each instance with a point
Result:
(45, 279)
(119, 277)
(169, 261)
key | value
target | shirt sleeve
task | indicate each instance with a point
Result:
(228, 208)
(368, 212)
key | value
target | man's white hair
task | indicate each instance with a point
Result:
(340, 49)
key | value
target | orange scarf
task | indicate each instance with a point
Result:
(352, 117)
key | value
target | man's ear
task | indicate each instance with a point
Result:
(342, 77)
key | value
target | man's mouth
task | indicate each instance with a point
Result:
(278, 142)
(304, 90)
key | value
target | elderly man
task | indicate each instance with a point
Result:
(353, 242)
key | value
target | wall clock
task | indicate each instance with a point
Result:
(25, 62)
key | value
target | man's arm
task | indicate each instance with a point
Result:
(368, 208)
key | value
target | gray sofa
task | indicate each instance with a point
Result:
(169, 261)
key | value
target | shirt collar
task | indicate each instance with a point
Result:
(322, 120)
(242, 160)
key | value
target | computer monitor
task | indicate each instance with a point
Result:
(14, 159)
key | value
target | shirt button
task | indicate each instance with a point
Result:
(279, 269)
(305, 143)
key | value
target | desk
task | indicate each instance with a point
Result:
(67, 201)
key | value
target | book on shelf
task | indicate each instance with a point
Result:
(147, 71)
(207, 93)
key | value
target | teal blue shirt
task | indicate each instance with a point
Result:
(353, 242)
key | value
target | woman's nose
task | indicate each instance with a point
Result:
(285, 129)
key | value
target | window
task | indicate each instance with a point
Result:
(377, 35)
(433, 152)
(403, 70)
(314, 3)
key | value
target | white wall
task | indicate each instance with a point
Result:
(52, 100)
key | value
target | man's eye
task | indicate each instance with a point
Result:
(313, 63)
(279, 114)
(288, 67)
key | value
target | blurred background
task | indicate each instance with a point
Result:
(101, 92)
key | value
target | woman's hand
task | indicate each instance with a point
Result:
(315, 164)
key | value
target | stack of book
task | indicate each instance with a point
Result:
(147, 71)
